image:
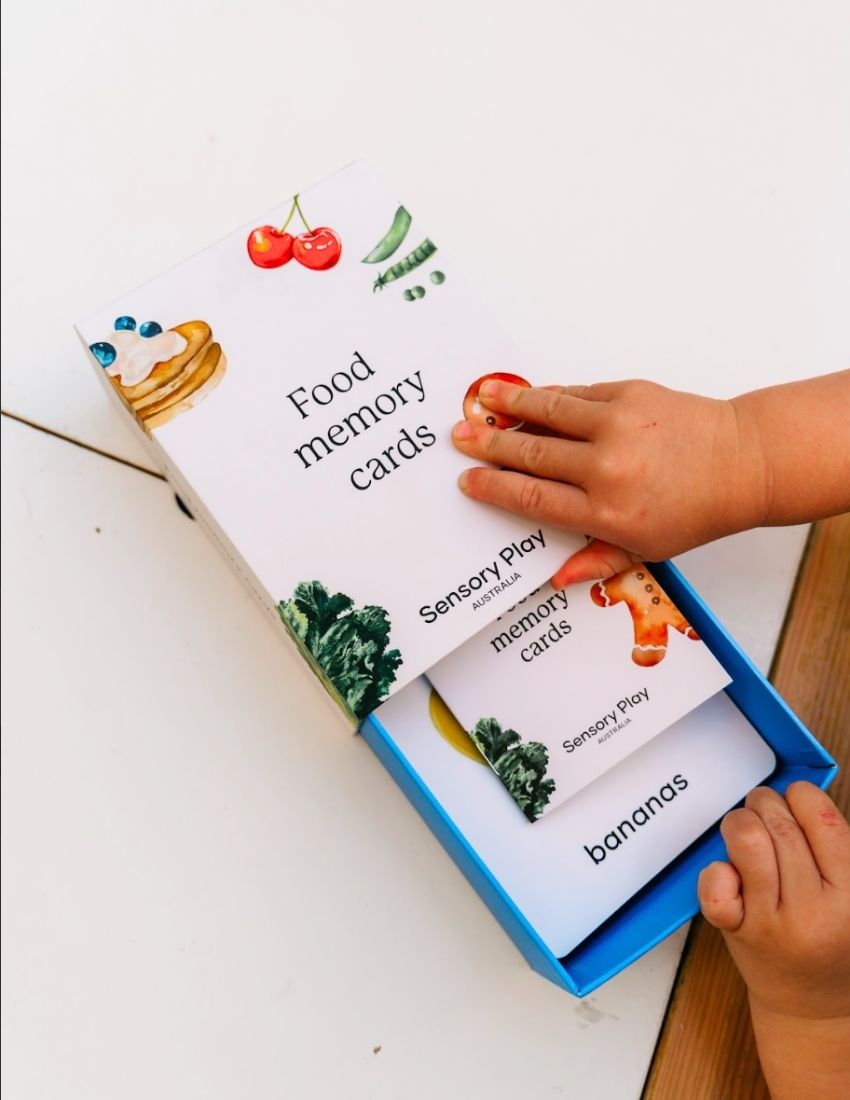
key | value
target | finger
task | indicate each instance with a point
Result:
(720, 898)
(799, 877)
(543, 456)
(750, 850)
(602, 391)
(599, 391)
(548, 501)
(572, 416)
(595, 562)
(825, 829)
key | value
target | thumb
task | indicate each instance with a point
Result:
(595, 562)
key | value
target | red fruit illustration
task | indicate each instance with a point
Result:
(270, 247)
(319, 249)
(477, 413)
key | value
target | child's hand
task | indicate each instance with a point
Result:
(783, 900)
(783, 905)
(648, 472)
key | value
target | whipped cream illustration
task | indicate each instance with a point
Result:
(130, 356)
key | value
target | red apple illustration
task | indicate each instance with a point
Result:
(319, 249)
(269, 247)
(477, 413)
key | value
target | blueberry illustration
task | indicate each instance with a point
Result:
(103, 352)
(128, 323)
(150, 328)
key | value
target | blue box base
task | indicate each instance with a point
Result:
(670, 899)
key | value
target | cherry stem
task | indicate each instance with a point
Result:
(301, 214)
(291, 215)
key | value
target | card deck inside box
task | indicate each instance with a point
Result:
(573, 868)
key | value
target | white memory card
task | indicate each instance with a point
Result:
(568, 683)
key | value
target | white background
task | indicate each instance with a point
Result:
(209, 891)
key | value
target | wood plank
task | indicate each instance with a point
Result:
(706, 1050)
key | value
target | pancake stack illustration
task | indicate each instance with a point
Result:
(161, 373)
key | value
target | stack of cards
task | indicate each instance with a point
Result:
(569, 683)
(573, 868)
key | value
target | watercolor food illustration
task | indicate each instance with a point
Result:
(345, 645)
(475, 412)
(451, 730)
(317, 249)
(409, 263)
(160, 373)
(651, 609)
(389, 244)
(521, 765)
(391, 240)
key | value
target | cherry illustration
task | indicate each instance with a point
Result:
(477, 413)
(319, 249)
(270, 247)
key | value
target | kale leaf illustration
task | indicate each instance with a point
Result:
(521, 765)
(347, 645)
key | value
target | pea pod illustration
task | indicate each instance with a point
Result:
(410, 262)
(391, 240)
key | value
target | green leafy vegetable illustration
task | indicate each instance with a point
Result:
(346, 646)
(521, 765)
(391, 239)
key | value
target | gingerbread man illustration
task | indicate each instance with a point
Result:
(651, 609)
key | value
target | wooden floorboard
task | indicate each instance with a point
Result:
(706, 1050)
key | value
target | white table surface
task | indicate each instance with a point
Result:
(208, 891)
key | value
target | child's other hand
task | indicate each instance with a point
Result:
(783, 906)
(646, 471)
(783, 900)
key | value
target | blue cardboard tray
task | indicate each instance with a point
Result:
(670, 899)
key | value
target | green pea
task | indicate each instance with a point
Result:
(408, 295)
(392, 239)
(419, 292)
(437, 277)
(404, 267)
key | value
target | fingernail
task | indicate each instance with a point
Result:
(488, 389)
(463, 430)
(463, 481)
